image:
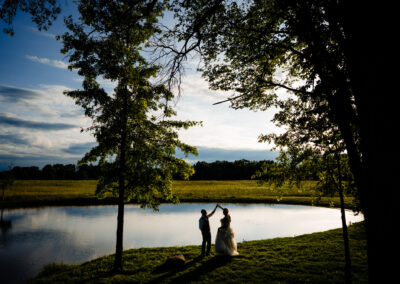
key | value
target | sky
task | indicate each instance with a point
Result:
(39, 125)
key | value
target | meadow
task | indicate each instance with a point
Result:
(311, 258)
(26, 193)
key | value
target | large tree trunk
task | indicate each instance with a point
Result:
(121, 185)
(347, 268)
(378, 192)
(120, 227)
(371, 51)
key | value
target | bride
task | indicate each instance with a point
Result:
(225, 242)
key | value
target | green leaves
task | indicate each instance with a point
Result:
(136, 137)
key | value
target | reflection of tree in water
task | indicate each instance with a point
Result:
(5, 226)
(6, 181)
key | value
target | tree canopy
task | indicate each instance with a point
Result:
(136, 137)
(329, 55)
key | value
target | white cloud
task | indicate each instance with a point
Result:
(42, 32)
(55, 63)
(223, 127)
(196, 86)
(107, 84)
(47, 105)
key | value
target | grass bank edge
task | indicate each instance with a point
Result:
(315, 258)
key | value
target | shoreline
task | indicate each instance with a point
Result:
(307, 201)
(312, 258)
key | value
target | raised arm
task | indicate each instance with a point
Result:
(212, 213)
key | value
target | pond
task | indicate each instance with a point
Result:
(31, 238)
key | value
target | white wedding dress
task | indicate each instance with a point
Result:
(225, 242)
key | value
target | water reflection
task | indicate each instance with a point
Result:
(77, 234)
(5, 226)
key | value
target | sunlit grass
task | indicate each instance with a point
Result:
(311, 258)
(50, 189)
(237, 188)
(46, 192)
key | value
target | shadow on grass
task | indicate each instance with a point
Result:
(189, 275)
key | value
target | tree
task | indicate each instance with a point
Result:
(43, 12)
(334, 177)
(323, 55)
(48, 172)
(6, 182)
(224, 170)
(334, 171)
(25, 172)
(312, 145)
(136, 138)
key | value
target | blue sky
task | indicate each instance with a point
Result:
(39, 125)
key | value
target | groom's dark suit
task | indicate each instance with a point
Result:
(206, 233)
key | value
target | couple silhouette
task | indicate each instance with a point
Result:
(225, 243)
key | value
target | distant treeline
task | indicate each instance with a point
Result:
(224, 170)
(219, 170)
(56, 172)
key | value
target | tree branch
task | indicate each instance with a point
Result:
(271, 84)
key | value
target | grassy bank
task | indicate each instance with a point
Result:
(26, 193)
(311, 258)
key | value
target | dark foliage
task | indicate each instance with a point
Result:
(218, 170)
(42, 12)
(224, 170)
(55, 172)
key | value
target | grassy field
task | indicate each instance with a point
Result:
(312, 258)
(81, 192)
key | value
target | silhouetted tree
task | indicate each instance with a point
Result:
(334, 177)
(48, 172)
(326, 57)
(25, 172)
(43, 12)
(225, 170)
(6, 182)
(136, 139)
(69, 171)
(88, 172)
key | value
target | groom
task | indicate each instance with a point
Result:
(204, 226)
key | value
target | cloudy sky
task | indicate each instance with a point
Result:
(39, 125)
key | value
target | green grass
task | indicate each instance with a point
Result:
(81, 192)
(311, 258)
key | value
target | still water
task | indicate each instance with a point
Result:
(35, 237)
